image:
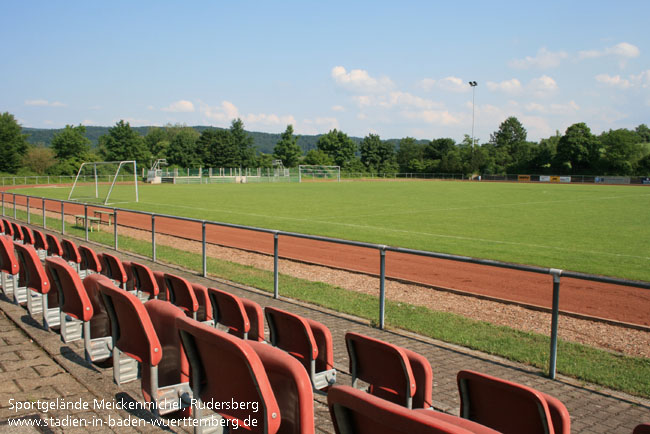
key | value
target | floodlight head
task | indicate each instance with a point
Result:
(473, 83)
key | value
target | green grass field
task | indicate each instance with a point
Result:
(589, 228)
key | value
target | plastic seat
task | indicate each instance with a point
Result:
(98, 342)
(510, 407)
(28, 235)
(134, 338)
(394, 373)
(356, 412)
(53, 246)
(40, 243)
(71, 253)
(204, 314)
(291, 386)
(307, 340)
(9, 268)
(90, 262)
(17, 232)
(171, 385)
(229, 312)
(163, 293)
(225, 368)
(40, 300)
(181, 294)
(8, 228)
(75, 307)
(144, 282)
(113, 269)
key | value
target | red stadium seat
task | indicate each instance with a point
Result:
(356, 412)
(181, 294)
(291, 387)
(75, 309)
(40, 300)
(40, 243)
(134, 338)
(7, 228)
(17, 232)
(71, 253)
(9, 268)
(53, 246)
(90, 262)
(395, 374)
(510, 407)
(97, 332)
(644, 428)
(229, 311)
(308, 341)
(204, 314)
(172, 379)
(144, 282)
(225, 368)
(28, 235)
(113, 269)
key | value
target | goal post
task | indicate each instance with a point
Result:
(106, 182)
(311, 172)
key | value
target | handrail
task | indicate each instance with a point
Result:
(382, 249)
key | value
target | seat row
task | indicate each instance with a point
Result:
(198, 345)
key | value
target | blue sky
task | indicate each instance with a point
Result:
(391, 68)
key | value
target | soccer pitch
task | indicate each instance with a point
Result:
(590, 228)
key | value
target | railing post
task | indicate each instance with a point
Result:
(153, 237)
(3, 202)
(44, 223)
(382, 286)
(205, 253)
(86, 220)
(276, 267)
(15, 206)
(554, 321)
(115, 228)
(62, 218)
(28, 219)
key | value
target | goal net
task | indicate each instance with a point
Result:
(319, 173)
(106, 182)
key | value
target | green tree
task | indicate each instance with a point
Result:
(13, 144)
(410, 155)
(544, 154)
(265, 161)
(218, 149)
(511, 150)
(644, 133)
(243, 142)
(318, 157)
(123, 143)
(577, 150)
(39, 159)
(182, 149)
(287, 148)
(438, 148)
(71, 144)
(622, 150)
(338, 146)
(157, 141)
(378, 156)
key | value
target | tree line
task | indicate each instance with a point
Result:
(577, 151)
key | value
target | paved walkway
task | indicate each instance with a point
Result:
(36, 367)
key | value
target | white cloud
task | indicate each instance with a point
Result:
(437, 117)
(181, 106)
(623, 50)
(507, 86)
(317, 125)
(614, 81)
(338, 108)
(43, 103)
(544, 59)
(225, 112)
(88, 122)
(643, 79)
(268, 119)
(358, 80)
(568, 108)
(542, 86)
(450, 84)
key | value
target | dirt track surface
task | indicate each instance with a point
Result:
(625, 304)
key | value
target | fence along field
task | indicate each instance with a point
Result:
(589, 228)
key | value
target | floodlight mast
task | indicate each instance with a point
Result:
(473, 84)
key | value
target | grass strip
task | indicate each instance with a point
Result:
(615, 371)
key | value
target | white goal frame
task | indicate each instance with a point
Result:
(319, 170)
(117, 172)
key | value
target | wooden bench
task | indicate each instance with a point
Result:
(81, 221)
(108, 214)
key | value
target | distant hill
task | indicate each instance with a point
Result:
(264, 142)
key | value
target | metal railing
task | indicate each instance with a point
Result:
(556, 274)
